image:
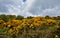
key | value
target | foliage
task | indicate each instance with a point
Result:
(19, 17)
(12, 26)
(4, 17)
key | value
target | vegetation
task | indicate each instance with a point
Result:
(12, 26)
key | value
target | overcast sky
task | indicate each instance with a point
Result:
(30, 7)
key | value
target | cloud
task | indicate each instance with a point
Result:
(52, 11)
(15, 7)
(30, 7)
(5, 5)
(45, 7)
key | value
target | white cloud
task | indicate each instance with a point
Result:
(45, 7)
(16, 7)
(51, 11)
(30, 7)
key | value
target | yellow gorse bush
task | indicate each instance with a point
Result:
(51, 21)
(16, 25)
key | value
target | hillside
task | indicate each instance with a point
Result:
(12, 26)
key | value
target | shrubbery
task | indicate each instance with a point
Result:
(12, 26)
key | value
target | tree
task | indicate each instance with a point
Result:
(47, 17)
(29, 17)
(19, 17)
(4, 17)
(11, 17)
(58, 17)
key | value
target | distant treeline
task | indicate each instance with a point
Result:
(19, 17)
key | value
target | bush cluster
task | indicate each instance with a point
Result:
(12, 26)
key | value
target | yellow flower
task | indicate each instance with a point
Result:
(50, 20)
(31, 25)
(57, 26)
(9, 25)
(19, 27)
(10, 31)
(56, 36)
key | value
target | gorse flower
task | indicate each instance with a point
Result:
(19, 26)
(51, 21)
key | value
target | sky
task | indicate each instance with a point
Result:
(30, 7)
